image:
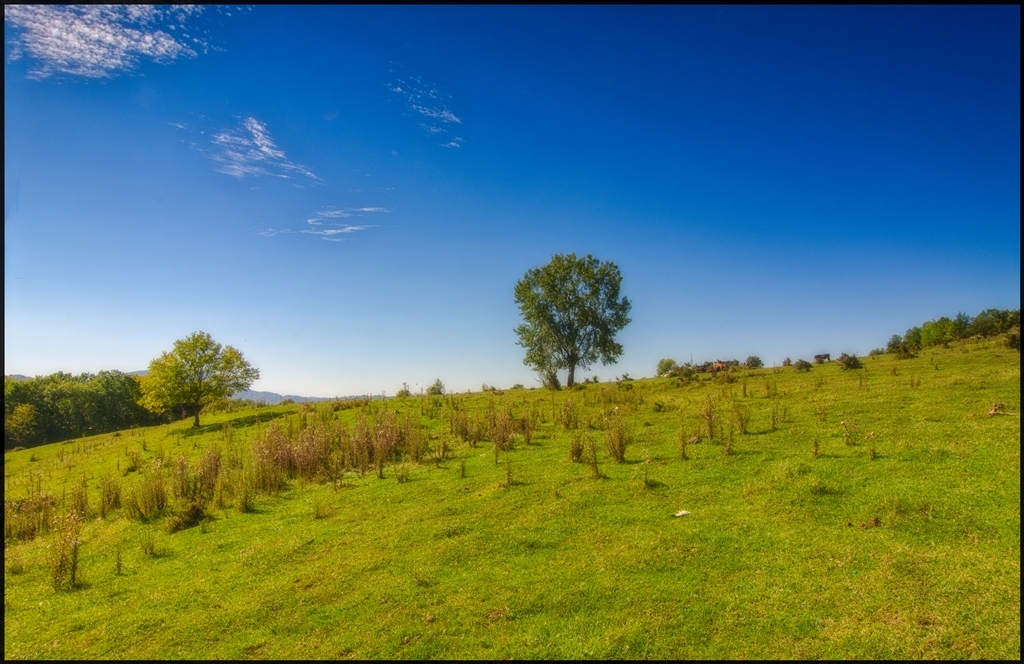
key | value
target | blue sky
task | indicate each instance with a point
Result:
(349, 194)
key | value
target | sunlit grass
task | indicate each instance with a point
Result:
(780, 556)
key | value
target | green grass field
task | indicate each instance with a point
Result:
(780, 556)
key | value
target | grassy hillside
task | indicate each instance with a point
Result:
(867, 513)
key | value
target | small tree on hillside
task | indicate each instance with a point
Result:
(572, 312)
(753, 362)
(849, 362)
(666, 366)
(197, 372)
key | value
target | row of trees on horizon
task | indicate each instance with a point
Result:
(944, 331)
(62, 406)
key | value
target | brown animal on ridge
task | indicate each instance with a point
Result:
(719, 366)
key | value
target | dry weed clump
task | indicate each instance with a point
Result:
(110, 495)
(80, 499)
(208, 472)
(501, 431)
(710, 415)
(569, 416)
(191, 514)
(28, 517)
(149, 497)
(617, 438)
(742, 416)
(576, 448)
(63, 554)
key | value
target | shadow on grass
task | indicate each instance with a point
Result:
(237, 423)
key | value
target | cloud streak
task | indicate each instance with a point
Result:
(324, 223)
(96, 41)
(249, 151)
(427, 100)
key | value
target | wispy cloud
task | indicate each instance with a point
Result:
(100, 41)
(250, 151)
(325, 224)
(427, 100)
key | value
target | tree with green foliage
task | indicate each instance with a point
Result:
(21, 427)
(992, 322)
(912, 339)
(753, 362)
(67, 406)
(939, 332)
(665, 366)
(572, 312)
(197, 372)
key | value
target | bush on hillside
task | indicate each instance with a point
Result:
(903, 352)
(849, 362)
(684, 373)
(1012, 339)
(436, 389)
(753, 362)
(802, 365)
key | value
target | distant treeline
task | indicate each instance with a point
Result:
(60, 406)
(944, 331)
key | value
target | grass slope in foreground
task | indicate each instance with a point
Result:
(468, 556)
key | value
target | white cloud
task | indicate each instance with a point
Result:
(325, 226)
(454, 143)
(250, 151)
(97, 41)
(424, 98)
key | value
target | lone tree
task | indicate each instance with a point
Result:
(572, 312)
(198, 371)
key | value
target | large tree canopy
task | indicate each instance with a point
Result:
(198, 371)
(572, 312)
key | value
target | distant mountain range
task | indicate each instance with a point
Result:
(270, 398)
(273, 398)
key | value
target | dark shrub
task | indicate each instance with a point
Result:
(903, 352)
(849, 362)
(802, 365)
(1012, 339)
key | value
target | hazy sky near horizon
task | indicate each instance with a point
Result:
(349, 194)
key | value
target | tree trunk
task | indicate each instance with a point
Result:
(572, 375)
(195, 414)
